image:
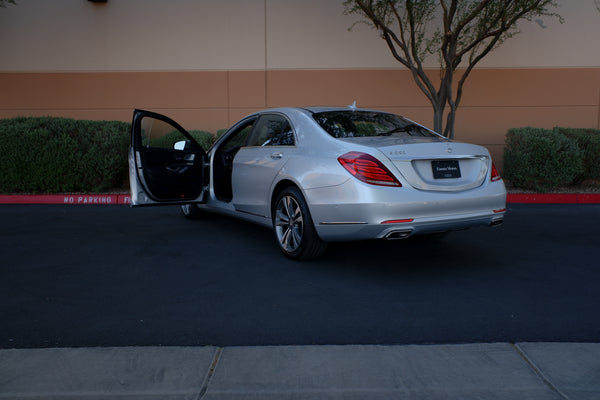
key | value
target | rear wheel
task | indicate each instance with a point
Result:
(293, 226)
(191, 211)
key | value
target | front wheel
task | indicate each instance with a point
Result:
(293, 226)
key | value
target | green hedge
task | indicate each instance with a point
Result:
(543, 159)
(52, 155)
(59, 155)
(588, 141)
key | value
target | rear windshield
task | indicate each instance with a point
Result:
(347, 124)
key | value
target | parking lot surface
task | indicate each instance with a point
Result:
(79, 276)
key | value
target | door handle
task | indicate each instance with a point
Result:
(276, 156)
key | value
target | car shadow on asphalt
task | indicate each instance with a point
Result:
(462, 250)
(457, 251)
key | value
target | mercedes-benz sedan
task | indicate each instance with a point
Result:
(317, 175)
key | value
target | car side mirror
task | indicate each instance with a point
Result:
(182, 145)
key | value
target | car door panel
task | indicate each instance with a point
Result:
(254, 171)
(160, 173)
(256, 166)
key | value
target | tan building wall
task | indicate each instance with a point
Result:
(495, 100)
(176, 35)
(207, 63)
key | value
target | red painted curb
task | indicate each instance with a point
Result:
(560, 198)
(116, 199)
(589, 198)
(92, 199)
(542, 198)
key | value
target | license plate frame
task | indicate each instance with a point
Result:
(445, 169)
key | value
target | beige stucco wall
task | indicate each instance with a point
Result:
(159, 35)
(207, 63)
(138, 35)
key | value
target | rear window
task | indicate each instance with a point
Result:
(348, 124)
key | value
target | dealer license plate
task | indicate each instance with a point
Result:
(446, 169)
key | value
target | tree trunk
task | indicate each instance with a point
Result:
(438, 120)
(449, 130)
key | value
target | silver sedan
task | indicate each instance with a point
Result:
(317, 175)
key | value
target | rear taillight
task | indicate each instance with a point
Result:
(495, 175)
(368, 169)
(398, 221)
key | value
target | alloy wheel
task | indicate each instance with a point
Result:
(289, 223)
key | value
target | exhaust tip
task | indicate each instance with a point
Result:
(394, 235)
(497, 222)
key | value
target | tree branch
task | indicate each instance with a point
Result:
(470, 27)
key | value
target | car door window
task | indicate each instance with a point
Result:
(238, 139)
(159, 134)
(272, 130)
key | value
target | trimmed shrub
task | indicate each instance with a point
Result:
(541, 159)
(220, 133)
(588, 141)
(52, 155)
(58, 155)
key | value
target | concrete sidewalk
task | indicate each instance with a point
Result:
(469, 371)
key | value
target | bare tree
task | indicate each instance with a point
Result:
(460, 32)
(3, 3)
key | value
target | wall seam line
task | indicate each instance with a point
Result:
(266, 58)
(598, 126)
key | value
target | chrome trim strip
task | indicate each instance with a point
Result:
(249, 213)
(343, 223)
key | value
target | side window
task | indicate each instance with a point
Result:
(239, 138)
(272, 130)
(159, 134)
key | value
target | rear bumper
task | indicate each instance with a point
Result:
(357, 211)
(361, 231)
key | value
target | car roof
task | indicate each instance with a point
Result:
(323, 109)
(314, 110)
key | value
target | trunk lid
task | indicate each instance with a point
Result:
(434, 164)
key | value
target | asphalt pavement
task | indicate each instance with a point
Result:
(95, 276)
(488, 370)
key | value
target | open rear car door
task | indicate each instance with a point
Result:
(166, 164)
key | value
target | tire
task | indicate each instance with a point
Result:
(293, 226)
(191, 211)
